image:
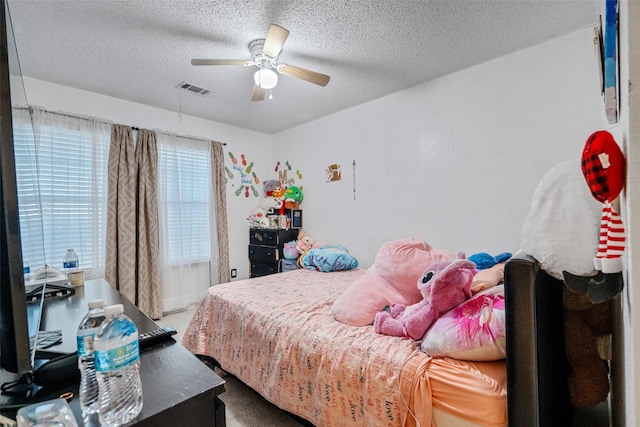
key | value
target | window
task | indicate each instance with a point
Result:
(186, 219)
(62, 177)
(184, 182)
(62, 188)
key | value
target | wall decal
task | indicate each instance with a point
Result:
(333, 173)
(283, 169)
(284, 178)
(354, 179)
(246, 176)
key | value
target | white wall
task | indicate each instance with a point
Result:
(237, 140)
(454, 161)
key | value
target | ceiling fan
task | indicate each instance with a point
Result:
(264, 54)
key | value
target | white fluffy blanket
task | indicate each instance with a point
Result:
(562, 227)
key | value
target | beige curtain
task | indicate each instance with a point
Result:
(149, 290)
(132, 219)
(121, 213)
(220, 200)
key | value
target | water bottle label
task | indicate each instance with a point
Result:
(70, 264)
(85, 342)
(117, 358)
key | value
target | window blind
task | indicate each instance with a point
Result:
(61, 173)
(184, 170)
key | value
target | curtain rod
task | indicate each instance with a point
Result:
(108, 122)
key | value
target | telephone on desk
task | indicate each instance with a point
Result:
(47, 272)
(48, 282)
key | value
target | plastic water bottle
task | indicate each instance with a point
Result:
(85, 337)
(117, 356)
(70, 261)
(26, 270)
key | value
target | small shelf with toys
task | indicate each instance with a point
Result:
(274, 228)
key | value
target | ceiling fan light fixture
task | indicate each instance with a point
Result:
(266, 78)
(264, 55)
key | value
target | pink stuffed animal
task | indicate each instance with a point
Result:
(444, 285)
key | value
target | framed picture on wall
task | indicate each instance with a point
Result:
(598, 45)
(296, 218)
(333, 173)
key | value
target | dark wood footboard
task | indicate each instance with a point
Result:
(537, 367)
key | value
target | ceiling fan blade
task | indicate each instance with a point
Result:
(258, 93)
(303, 74)
(221, 62)
(276, 36)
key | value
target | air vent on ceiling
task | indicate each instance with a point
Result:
(193, 89)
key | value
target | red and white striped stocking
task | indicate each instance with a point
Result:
(612, 241)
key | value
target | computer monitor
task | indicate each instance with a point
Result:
(21, 312)
(15, 353)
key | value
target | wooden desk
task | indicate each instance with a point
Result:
(178, 389)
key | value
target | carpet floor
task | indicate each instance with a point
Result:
(243, 406)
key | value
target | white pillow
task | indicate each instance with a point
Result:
(562, 227)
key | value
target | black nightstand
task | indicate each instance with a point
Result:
(265, 249)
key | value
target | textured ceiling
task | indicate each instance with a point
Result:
(140, 50)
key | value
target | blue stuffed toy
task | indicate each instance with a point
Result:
(483, 260)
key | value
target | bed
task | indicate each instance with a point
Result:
(278, 335)
(536, 361)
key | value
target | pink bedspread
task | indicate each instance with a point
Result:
(277, 334)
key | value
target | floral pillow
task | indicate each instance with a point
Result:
(474, 330)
